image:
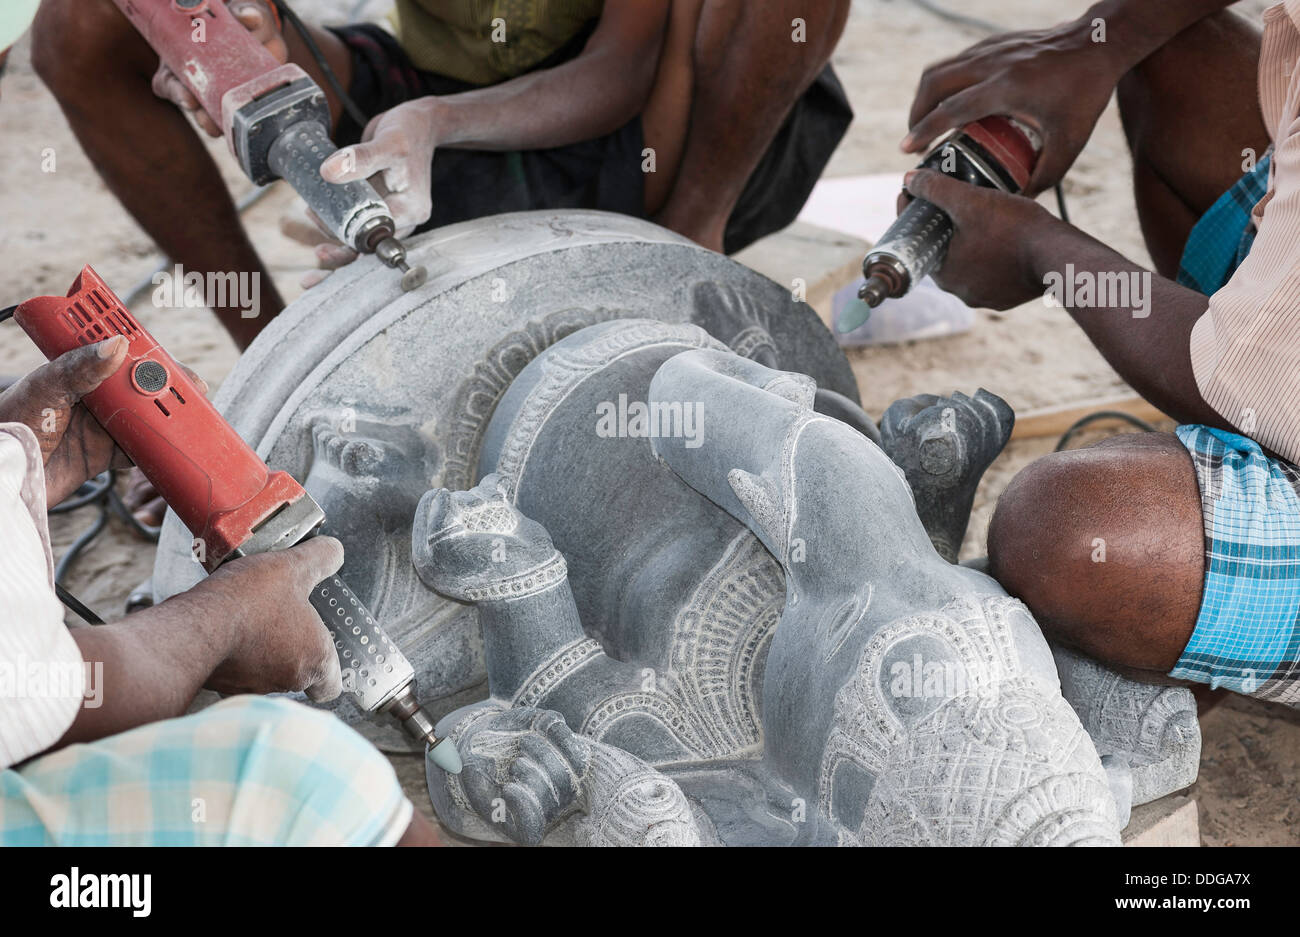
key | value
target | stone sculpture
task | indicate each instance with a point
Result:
(370, 396)
(830, 680)
(675, 597)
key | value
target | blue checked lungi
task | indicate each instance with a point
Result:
(1223, 237)
(250, 770)
(1247, 635)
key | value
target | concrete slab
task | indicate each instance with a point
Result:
(1169, 821)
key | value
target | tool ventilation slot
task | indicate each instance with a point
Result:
(98, 318)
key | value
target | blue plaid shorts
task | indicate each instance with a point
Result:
(1225, 234)
(249, 771)
(1247, 635)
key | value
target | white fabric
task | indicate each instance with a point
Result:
(1246, 347)
(42, 675)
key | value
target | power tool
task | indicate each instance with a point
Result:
(232, 503)
(275, 118)
(997, 153)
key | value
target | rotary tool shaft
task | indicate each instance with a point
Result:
(375, 672)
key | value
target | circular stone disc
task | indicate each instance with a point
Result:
(371, 395)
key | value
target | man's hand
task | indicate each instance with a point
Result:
(1057, 81)
(398, 147)
(73, 444)
(987, 263)
(248, 627)
(279, 643)
(259, 19)
(397, 144)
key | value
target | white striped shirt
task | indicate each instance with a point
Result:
(1246, 347)
(41, 670)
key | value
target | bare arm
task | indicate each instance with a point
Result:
(248, 628)
(153, 665)
(1005, 248)
(1148, 347)
(1140, 27)
(593, 94)
(1056, 80)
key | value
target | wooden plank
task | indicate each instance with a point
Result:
(1053, 421)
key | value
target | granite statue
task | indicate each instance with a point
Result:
(530, 355)
(830, 679)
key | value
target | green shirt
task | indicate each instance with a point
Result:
(486, 41)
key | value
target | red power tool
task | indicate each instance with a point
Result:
(275, 117)
(995, 152)
(219, 487)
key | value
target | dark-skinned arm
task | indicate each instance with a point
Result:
(1005, 246)
(1149, 347)
(586, 97)
(247, 628)
(1056, 80)
(595, 93)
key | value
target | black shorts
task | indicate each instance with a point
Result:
(604, 173)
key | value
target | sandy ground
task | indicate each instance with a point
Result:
(53, 222)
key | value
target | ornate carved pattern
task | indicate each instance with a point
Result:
(718, 639)
(479, 394)
(551, 672)
(564, 370)
(941, 779)
(707, 701)
(536, 580)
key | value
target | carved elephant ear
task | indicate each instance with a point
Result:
(761, 498)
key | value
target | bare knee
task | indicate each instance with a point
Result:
(1105, 546)
(1036, 543)
(76, 42)
(1220, 53)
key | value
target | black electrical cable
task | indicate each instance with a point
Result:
(70, 555)
(90, 491)
(118, 507)
(355, 112)
(1103, 415)
(72, 602)
(1060, 204)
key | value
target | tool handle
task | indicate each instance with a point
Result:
(202, 42)
(345, 208)
(917, 241)
(995, 153)
(206, 473)
(374, 670)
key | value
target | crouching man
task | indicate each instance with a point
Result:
(123, 765)
(1173, 554)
